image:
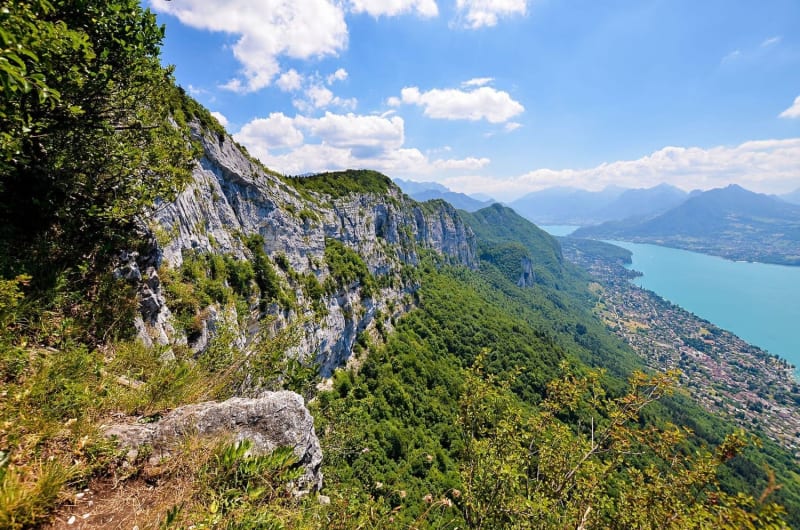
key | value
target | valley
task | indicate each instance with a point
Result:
(724, 373)
(193, 336)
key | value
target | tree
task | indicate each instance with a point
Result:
(86, 135)
(581, 460)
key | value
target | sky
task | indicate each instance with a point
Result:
(503, 97)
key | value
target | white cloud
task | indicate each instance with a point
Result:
(478, 81)
(734, 55)
(290, 81)
(470, 163)
(484, 103)
(342, 141)
(480, 13)
(376, 8)
(196, 91)
(275, 132)
(356, 131)
(769, 166)
(512, 126)
(752, 54)
(267, 30)
(338, 75)
(220, 118)
(793, 111)
(320, 97)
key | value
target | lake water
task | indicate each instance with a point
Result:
(758, 302)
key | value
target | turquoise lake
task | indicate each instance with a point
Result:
(758, 302)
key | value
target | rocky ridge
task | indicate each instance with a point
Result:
(231, 197)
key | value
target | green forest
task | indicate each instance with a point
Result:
(486, 405)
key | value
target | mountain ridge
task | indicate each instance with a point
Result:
(731, 222)
(564, 205)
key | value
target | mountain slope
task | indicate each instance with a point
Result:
(564, 205)
(428, 191)
(298, 221)
(793, 197)
(460, 201)
(574, 206)
(645, 202)
(730, 222)
(411, 186)
(179, 283)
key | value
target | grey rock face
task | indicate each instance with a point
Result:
(277, 419)
(231, 197)
(527, 278)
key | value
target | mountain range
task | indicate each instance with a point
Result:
(189, 339)
(731, 222)
(426, 191)
(572, 206)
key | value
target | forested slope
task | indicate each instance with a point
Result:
(151, 272)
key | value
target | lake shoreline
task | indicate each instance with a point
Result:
(722, 371)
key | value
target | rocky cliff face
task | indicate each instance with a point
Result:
(231, 197)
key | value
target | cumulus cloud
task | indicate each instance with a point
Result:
(320, 97)
(376, 8)
(267, 30)
(337, 141)
(485, 13)
(768, 166)
(356, 131)
(771, 41)
(275, 132)
(793, 111)
(220, 118)
(290, 81)
(338, 75)
(483, 103)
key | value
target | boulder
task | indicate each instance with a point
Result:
(276, 419)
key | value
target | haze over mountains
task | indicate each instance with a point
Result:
(564, 205)
(426, 191)
(731, 222)
(793, 197)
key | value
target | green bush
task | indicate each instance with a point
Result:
(346, 267)
(342, 183)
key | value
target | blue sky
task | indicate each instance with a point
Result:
(503, 96)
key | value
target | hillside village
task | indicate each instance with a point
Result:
(720, 370)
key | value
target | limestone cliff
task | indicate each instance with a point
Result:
(232, 197)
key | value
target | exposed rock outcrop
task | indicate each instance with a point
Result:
(231, 197)
(527, 277)
(277, 419)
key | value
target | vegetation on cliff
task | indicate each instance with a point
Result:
(486, 406)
